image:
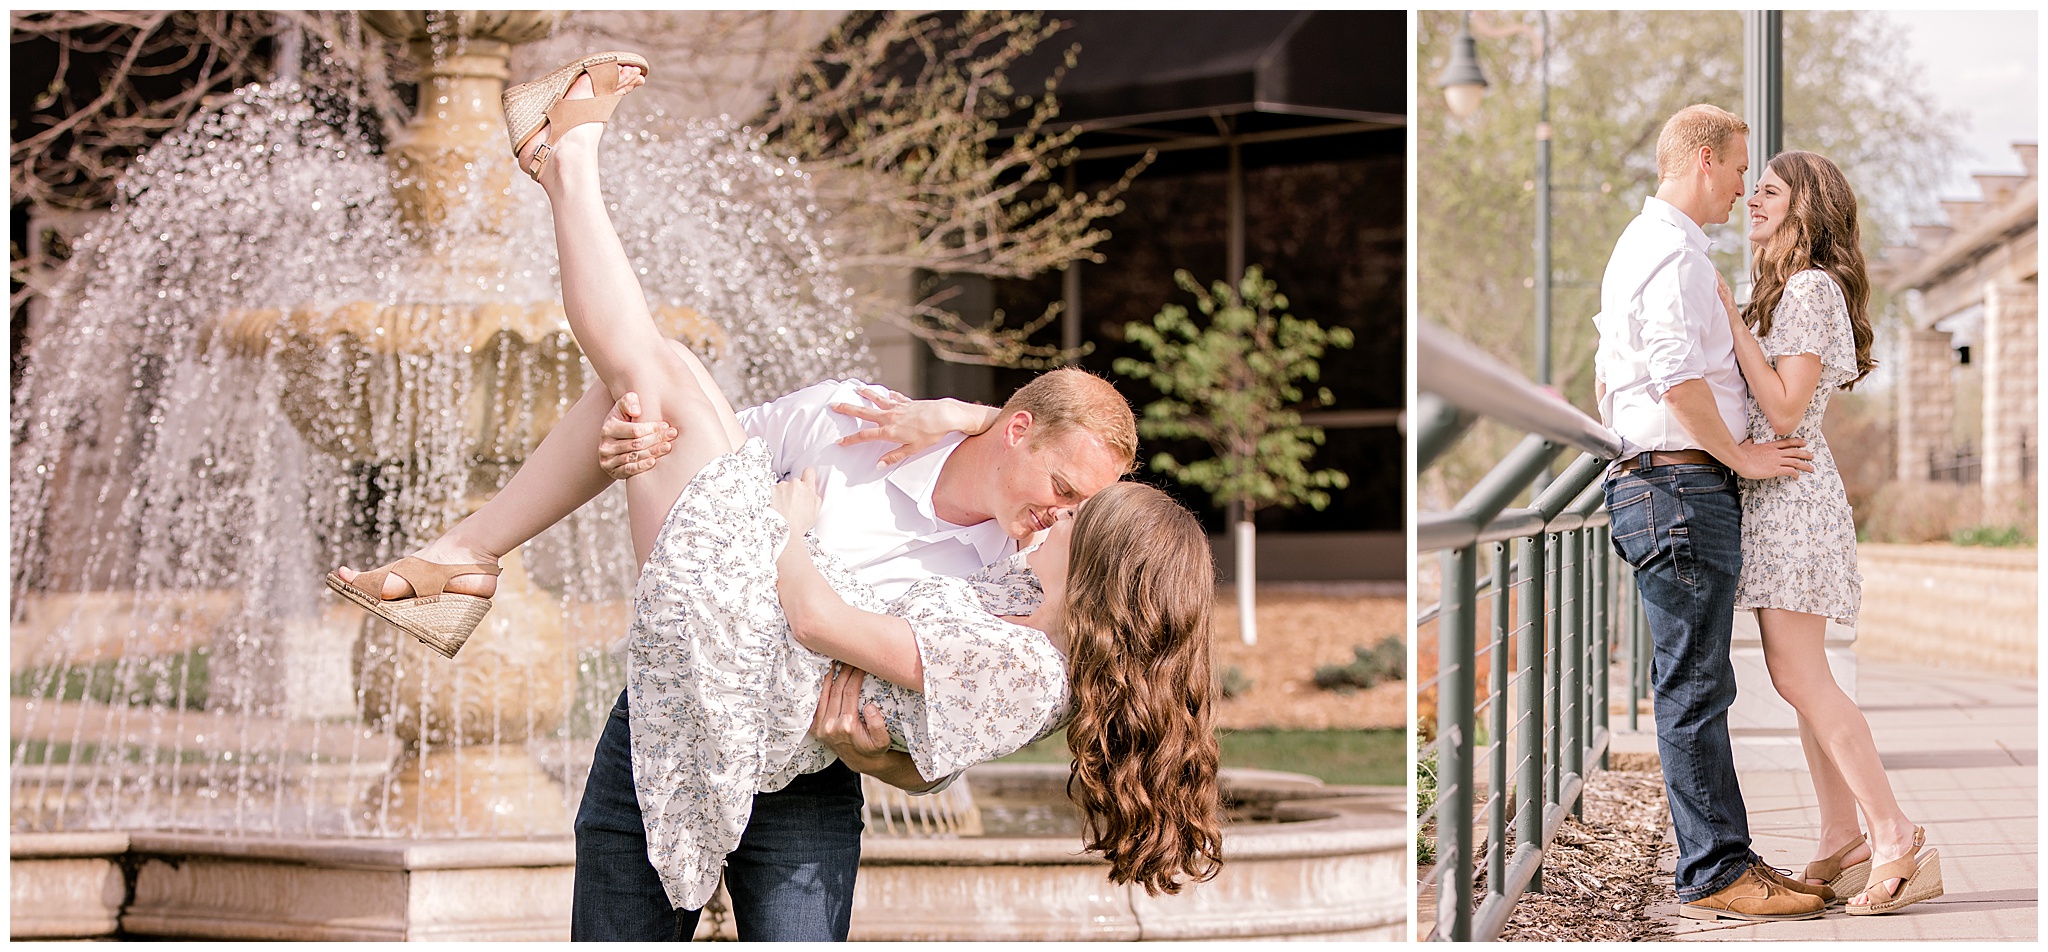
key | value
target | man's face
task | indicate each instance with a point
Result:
(1725, 169)
(1036, 478)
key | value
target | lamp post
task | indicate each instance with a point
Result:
(1464, 85)
(1763, 102)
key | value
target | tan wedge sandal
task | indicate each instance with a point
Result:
(1919, 873)
(1841, 883)
(530, 107)
(440, 619)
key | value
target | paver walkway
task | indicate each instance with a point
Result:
(1962, 752)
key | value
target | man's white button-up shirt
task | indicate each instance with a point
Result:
(1661, 323)
(880, 522)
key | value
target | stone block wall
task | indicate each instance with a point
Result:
(2011, 393)
(1950, 607)
(1926, 402)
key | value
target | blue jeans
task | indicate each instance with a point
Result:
(1680, 526)
(791, 879)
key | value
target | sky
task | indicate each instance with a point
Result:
(1988, 66)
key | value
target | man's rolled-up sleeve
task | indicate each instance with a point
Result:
(1671, 333)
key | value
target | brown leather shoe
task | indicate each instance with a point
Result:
(1779, 876)
(1755, 896)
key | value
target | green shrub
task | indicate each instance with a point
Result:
(1999, 537)
(1425, 798)
(1387, 661)
(1234, 682)
(181, 679)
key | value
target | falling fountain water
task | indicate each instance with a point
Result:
(282, 353)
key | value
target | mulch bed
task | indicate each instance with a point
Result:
(1300, 630)
(1601, 875)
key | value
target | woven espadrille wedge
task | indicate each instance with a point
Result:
(1919, 874)
(1842, 882)
(530, 107)
(440, 619)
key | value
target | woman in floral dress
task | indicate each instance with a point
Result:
(1805, 334)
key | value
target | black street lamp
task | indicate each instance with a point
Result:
(1462, 82)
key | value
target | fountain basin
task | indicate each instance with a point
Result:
(65, 885)
(1325, 863)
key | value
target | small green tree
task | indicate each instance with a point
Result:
(1235, 381)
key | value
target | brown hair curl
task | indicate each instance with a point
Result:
(1819, 231)
(1140, 585)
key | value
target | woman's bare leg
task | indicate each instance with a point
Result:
(1837, 803)
(608, 313)
(1795, 653)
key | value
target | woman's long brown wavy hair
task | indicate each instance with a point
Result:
(1819, 231)
(1140, 584)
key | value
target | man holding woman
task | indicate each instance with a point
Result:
(756, 598)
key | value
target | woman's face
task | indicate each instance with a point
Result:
(1049, 559)
(1769, 207)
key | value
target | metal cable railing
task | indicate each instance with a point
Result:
(1555, 602)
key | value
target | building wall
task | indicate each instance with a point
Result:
(2010, 393)
(1926, 402)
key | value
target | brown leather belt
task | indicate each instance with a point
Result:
(1630, 464)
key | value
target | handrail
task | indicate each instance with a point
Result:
(1473, 381)
(1557, 600)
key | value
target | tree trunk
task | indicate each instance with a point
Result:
(1247, 577)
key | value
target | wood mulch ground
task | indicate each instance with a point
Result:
(1301, 628)
(1600, 875)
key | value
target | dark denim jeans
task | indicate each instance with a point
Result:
(1680, 526)
(791, 879)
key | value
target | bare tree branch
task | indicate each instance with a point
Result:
(159, 70)
(901, 116)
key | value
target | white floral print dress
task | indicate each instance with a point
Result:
(721, 695)
(1798, 537)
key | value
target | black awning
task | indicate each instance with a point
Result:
(1167, 69)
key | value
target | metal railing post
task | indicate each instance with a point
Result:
(1636, 671)
(1497, 726)
(1529, 789)
(1455, 639)
(1571, 717)
(1553, 734)
(1648, 644)
(1588, 650)
(1603, 583)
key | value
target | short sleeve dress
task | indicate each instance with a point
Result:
(721, 695)
(1798, 536)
